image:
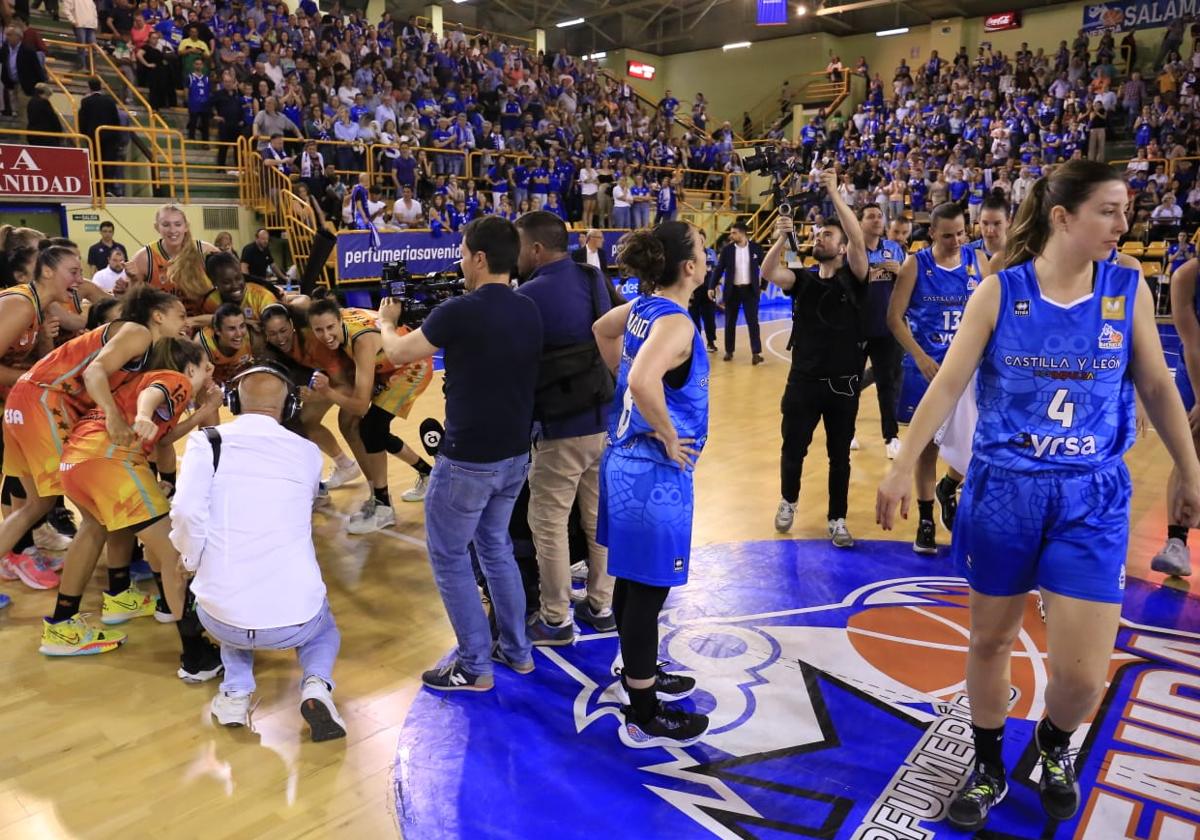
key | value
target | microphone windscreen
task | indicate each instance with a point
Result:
(431, 436)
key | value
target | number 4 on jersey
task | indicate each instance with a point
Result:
(1060, 409)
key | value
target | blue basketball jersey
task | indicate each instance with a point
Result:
(938, 299)
(629, 433)
(1054, 388)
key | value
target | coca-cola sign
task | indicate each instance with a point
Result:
(1001, 21)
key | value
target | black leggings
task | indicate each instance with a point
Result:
(636, 607)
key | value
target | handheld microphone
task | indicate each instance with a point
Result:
(431, 436)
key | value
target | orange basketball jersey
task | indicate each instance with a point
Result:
(19, 352)
(89, 439)
(224, 366)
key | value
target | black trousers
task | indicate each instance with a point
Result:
(885, 354)
(198, 120)
(805, 403)
(704, 313)
(745, 298)
(636, 607)
(225, 134)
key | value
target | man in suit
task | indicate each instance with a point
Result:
(98, 109)
(593, 252)
(42, 119)
(20, 70)
(739, 265)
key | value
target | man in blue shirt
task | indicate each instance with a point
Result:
(566, 457)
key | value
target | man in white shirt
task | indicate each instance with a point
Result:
(407, 211)
(241, 519)
(108, 277)
(739, 264)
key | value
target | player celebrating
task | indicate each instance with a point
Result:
(175, 263)
(1059, 339)
(658, 427)
(226, 342)
(926, 307)
(230, 286)
(381, 392)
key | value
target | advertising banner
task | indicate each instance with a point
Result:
(1002, 21)
(1135, 14)
(44, 172)
(772, 12)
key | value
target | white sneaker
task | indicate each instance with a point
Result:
(231, 708)
(1174, 560)
(839, 535)
(341, 476)
(853, 444)
(784, 516)
(417, 492)
(372, 517)
(893, 448)
(579, 571)
(316, 705)
(47, 539)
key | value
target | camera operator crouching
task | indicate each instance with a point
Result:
(827, 355)
(571, 407)
(491, 339)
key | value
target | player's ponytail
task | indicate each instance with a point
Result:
(174, 354)
(1067, 186)
(656, 256)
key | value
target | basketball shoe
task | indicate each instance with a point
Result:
(343, 475)
(48, 539)
(926, 541)
(946, 491)
(785, 515)
(200, 665)
(667, 686)
(126, 606)
(370, 518)
(971, 805)
(1174, 559)
(667, 728)
(75, 637)
(1058, 786)
(416, 493)
(32, 569)
(839, 535)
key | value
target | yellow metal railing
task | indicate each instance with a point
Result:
(155, 173)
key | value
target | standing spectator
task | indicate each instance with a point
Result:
(1097, 121)
(667, 201)
(230, 118)
(20, 70)
(199, 100)
(621, 204)
(155, 72)
(42, 117)
(591, 251)
(492, 342)
(98, 254)
(241, 518)
(568, 446)
(83, 17)
(269, 122)
(739, 265)
(1133, 93)
(1171, 42)
(257, 262)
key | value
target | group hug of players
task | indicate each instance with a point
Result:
(96, 390)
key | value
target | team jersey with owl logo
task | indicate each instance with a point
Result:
(629, 433)
(938, 299)
(225, 365)
(1054, 385)
(89, 439)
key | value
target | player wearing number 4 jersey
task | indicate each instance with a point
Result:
(1060, 338)
(924, 313)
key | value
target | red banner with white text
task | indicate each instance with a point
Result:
(44, 172)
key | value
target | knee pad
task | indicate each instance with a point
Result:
(393, 444)
(11, 489)
(374, 430)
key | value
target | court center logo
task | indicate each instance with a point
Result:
(838, 709)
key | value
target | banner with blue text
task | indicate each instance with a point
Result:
(772, 12)
(1135, 14)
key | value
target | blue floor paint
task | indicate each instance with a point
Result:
(819, 669)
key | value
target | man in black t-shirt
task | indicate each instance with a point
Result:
(827, 356)
(492, 343)
(257, 261)
(99, 253)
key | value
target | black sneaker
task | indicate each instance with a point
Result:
(454, 677)
(604, 622)
(926, 541)
(667, 686)
(162, 613)
(946, 491)
(970, 808)
(201, 664)
(668, 728)
(711, 347)
(1058, 786)
(63, 521)
(498, 655)
(542, 634)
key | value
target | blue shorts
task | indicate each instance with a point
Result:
(913, 385)
(645, 519)
(1067, 533)
(1184, 384)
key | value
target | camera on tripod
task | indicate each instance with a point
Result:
(418, 297)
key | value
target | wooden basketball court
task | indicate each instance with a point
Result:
(116, 746)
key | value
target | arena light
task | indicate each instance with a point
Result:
(563, 24)
(801, 10)
(596, 56)
(737, 45)
(883, 33)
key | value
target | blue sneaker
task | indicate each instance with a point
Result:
(4, 600)
(140, 570)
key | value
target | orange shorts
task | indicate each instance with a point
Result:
(396, 392)
(37, 423)
(117, 493)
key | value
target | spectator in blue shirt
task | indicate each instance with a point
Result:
(199, 99)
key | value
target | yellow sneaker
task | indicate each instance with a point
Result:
(74, 637)
(126, 606)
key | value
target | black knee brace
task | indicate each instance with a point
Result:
(374, 430)
(12, 488)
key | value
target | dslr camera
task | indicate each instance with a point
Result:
(418, 297)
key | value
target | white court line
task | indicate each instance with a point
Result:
(771, 347)
(387, 532)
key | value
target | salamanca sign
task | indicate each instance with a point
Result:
(44, 172)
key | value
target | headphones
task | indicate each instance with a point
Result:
(233, 399)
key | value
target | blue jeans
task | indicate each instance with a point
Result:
(620, 217)
(473, 503)
(641, 215)
(316, 642)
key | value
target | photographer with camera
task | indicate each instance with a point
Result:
(827, 356)
(739, 265)
(492, 343)
(571, 407)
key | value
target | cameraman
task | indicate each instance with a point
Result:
(492, 342)
(827, 358)
(566, 454)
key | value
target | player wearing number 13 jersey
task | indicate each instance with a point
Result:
(1059, 338)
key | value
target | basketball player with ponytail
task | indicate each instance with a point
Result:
(175, 263)
(657, 429)
(1059, 340)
